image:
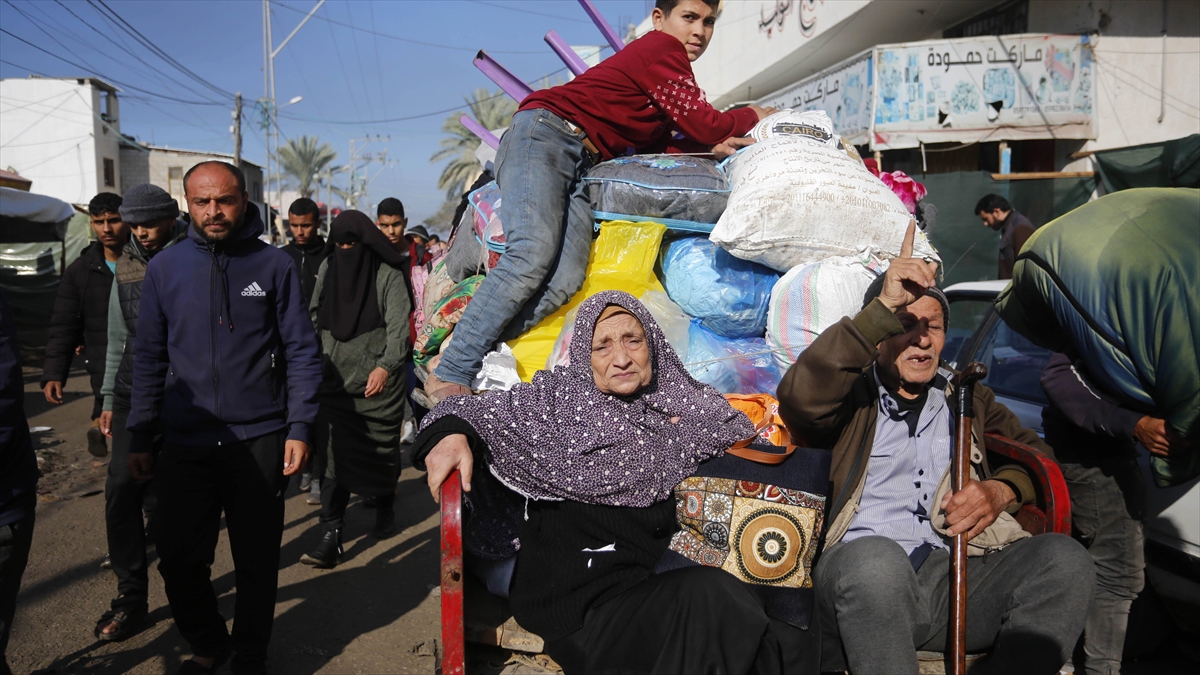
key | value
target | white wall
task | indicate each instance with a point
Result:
(752, 55)
(1129, 70)
(50, 133)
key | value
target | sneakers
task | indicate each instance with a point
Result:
(106, 564)
(314, 494)
(328, 552)
(408, 432)
(306, 481)
(385, 523)
(97, 442)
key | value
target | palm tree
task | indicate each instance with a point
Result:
(491, 109)
(303, 159)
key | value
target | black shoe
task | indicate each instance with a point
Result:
(369, 502)
(97, 443)
(385, 522)
(241, 666)
(328, 552)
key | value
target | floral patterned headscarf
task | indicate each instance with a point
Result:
(560, 438)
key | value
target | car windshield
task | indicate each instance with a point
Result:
(966, 315)
(1014, 364)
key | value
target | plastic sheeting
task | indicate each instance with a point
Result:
(969, 250)
(29, 274)
(729, 295)
(1169, 164)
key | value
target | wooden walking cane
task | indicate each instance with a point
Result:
(967, 378)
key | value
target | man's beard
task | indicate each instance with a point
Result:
(233, 227)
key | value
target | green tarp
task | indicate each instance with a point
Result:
(969, 249)
(1171, 164)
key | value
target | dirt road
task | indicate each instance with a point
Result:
(365, 616)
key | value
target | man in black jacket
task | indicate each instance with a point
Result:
(151, 215)
(18, 478)
(80, 317)
(308, 246)
(308, 251)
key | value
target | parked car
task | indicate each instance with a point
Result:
(977, 333)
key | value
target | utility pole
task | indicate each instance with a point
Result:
(271, 110)
(357, 184)
(237, 130)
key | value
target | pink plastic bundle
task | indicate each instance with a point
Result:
(908, 190)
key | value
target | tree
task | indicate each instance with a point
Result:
(491, 109)
(302, 159)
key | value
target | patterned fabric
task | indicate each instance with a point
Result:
(759, 533)
(559, 438)
(761, 523)
(905, 469)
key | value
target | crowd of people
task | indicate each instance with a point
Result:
(223, 366)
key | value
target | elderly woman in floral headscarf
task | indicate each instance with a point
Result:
(574, 472)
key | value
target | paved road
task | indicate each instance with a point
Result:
(362, 617)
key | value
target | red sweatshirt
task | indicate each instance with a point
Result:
(635, 98)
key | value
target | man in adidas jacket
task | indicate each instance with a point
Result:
(227, 369)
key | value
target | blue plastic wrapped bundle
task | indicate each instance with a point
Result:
(679, 191)
(733, 366)
(729, 295)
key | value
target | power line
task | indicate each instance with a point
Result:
(169, 80)
(102, 76)
(404, 39)
(529, 11)
(362, 80)
(337, 51)
(127, 27)
(378, 62)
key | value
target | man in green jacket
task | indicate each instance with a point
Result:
(874, 389)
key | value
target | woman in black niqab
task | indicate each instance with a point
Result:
(361, 310)
(352, 305)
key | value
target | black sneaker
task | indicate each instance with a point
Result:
(328, 552)
(97, 442)
(385, 523)
(106, 564)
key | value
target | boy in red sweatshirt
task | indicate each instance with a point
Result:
(632, 102)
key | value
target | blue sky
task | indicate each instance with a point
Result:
(344, 74)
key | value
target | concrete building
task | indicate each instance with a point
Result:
(64, 134)
(1130, 77)
(165, 167)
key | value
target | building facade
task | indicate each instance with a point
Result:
(64, 134)
(166, 167)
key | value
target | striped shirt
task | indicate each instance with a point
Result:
(906, 465)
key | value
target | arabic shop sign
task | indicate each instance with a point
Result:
(843, 91)
(987, 87)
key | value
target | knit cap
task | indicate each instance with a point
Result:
(936, 293)
(146, 203)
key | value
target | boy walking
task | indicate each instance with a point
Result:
(631, 102)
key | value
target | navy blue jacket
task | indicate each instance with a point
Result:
(18, 465)
(226, 351)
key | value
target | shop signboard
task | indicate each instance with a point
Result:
(843, 91)
(992, 88)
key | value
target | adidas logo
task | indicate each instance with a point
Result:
(254, 291)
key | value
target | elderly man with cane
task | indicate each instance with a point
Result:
(874, 389)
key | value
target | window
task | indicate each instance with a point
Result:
(1014, 364)
(110, 173)
(175, 184)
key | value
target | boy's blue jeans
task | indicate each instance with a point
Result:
(548, 232)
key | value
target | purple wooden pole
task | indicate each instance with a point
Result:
(477, 129)
(575, 64)
(606, 30)
(511, 84)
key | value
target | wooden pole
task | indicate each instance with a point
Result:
(961, 474)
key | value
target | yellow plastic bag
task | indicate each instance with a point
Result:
(622, 259)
